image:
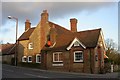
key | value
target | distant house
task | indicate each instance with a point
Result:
(57, 48)
(8, 51)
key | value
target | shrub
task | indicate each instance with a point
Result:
(31, 65)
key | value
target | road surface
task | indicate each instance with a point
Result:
(9, 71)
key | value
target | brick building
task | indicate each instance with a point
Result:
(57, 48)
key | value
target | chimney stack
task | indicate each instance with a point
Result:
(44, 17)
(73, 23)
(27, 25)
(53, 34)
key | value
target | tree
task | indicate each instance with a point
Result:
(112, 53)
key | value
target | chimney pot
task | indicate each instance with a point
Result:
(27, 24)
(44, 17)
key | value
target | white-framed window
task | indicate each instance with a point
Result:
(78, 56)
(57, 57)
(29, 58)
(24, 59)
(30, 46)
(38, 58)
(76, 43)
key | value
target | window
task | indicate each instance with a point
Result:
(78, 56)
(57, 57)
(29, 58)
(30, 45)
(76, 44)
(96, 57)
(38, 58)
(24, 59)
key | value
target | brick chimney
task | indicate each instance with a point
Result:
(44, 28)
(44, 17)
(27, 25)
(73, 24)
(53, 34)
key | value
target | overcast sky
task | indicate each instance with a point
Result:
(91, 15)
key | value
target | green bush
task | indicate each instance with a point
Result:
(31, 65)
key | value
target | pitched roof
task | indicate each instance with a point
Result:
(8, 49)
(89, 38)
(60, 30)
(26, 34)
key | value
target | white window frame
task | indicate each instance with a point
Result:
(75, 58)
(37, 57)
(58, 56)
(28, 58)
(30, 46)
(23, 59)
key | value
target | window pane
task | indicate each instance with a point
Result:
(38, 58)
(30, 46)
(25, 59)
(56, 57)
(78, 56)
(30, 58)
(60, 57)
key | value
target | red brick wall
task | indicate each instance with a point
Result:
(87, 66)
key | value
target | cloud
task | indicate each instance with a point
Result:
(32, 10)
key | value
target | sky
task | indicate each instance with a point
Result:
(91, 14)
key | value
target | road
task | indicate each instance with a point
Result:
(9, 71)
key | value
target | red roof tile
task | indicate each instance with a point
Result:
(89, 38)
(8, 49)
(60, 29)
(26, 35)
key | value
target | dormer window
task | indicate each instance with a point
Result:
(30, 46)
(76, 44)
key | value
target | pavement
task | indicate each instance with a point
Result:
(9, 71)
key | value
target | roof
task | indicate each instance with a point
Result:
(8, 49)
(63, 37)
(59, 29)
(89, 38)
(26, 34)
